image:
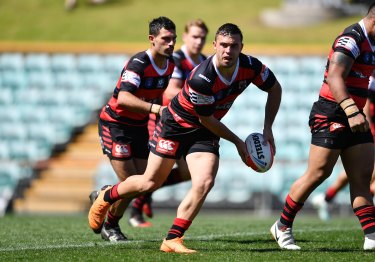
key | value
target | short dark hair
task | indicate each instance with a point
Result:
(161, 22)
(228, 29)
(371, 9)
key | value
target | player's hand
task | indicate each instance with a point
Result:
(268, 136)
(242, 151)
(358, 123)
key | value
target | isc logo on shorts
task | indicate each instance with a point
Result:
(121, 151)
(167, 147)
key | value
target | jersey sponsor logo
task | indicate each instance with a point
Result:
(355, 31)
(138, 60)
(349, 44)
(167, 147)
(336, 127)
(205, 78)
(131, 77)
(200, 99)
(265, 73)
(121, 151)
(149, 82)
(160, 83)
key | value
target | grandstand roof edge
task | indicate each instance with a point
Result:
(130, 48)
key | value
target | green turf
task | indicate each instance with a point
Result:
(127, 21)
(218, 237)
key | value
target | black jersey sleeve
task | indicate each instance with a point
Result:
(264, 77)
(132, 75)
(200, 94)
(349, 41)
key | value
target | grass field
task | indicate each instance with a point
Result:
(225, 237)
(126, 21)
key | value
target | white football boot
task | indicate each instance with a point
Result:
(321, 205)
(284, 236)
(369, 242)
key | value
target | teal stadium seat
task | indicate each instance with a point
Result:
(69, 80)
(63, 63)
(12, 62)
(14, 80)
(9, 114)
(237, 180)
(6, 96)
(41, 79)
(37, 62)
(113, 64)
(90, 63)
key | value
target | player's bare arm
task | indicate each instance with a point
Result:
(271, 109)
(134, 104)
(339, 69)
(221, 130)
(173, 88)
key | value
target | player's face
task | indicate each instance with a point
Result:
(228, 49)
(164, 42)
(195, 40)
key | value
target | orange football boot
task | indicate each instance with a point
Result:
(175, 245)
(98, 211)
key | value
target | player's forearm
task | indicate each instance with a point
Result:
(272, 105)
(219, 129)
(134, 104)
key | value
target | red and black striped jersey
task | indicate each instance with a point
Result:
(353, 42)
(207, 93)
(184, 64)
(141, 77)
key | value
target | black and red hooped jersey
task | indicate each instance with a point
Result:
(184, 64)
(207, 93)
(145, 80)
(353, 42)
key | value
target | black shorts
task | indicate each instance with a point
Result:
(171, 140)
(123, 142)
(330, 128)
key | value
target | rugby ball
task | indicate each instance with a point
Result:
(260, 156)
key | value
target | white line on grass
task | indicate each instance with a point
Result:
(129, 242)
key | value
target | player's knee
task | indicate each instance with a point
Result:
(205, 187)
(318, 176)
(150, 186)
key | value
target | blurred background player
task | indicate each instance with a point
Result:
(123, 120)
(190, 126)
(186, 59)
(321, 201)
(339, 129)
(71, 4)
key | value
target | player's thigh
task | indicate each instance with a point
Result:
(203, 167)
(358, 162)
(183, 169)
(124, 168)
(158, 168)
(321, 160)
(140, 165)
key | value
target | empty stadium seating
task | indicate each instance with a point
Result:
(45, 97)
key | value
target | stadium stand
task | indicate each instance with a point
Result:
(50, 157)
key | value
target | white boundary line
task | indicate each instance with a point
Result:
(203, 237)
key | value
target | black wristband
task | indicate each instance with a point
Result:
(344, 100)
(354, 114)
(349, 106)
(150, 108)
